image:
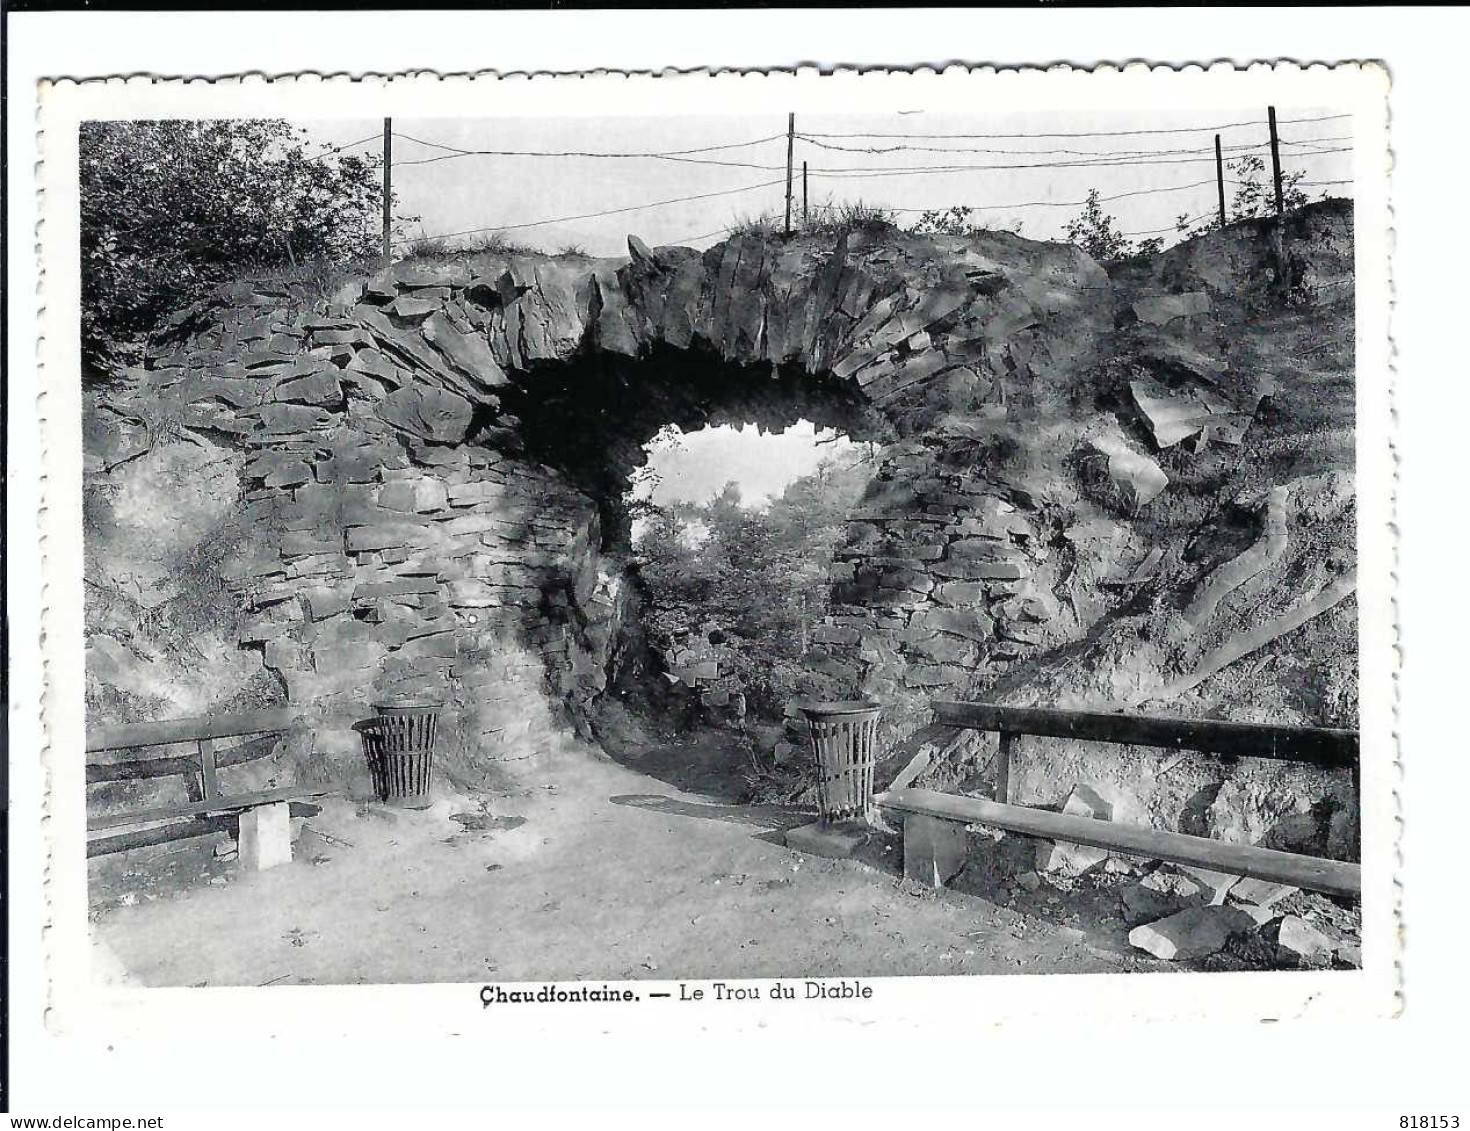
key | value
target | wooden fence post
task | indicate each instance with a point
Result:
(1003, 752)
(1220, 178)
(790, 147)
(1275, 157)
(388, 189)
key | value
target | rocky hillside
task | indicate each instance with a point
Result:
(1127, 486)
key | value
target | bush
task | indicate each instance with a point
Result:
(169, 210)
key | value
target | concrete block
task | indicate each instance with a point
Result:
(934, 850)
(265, 836)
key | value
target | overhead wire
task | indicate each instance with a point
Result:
(1116, 159)
(343, 148)
(455, 151)
(1086, 133)
(592, 215)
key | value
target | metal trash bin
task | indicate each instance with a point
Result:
(398, 743)
(844, 743)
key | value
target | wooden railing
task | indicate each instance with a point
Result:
(139, 739)
(934, 823)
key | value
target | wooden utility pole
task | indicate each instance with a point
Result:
(805, 215)
(388, 189)
(1220, 178)
(790, 149)
(1275, 157)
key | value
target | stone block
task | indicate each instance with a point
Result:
(1262, 893)
(967, 623)
(324, 602)
(444, 644)
(468, 353)
(834, 634)
(289, 418)
(428, 413)
(282, 654)
(934, 850)
(1074, 859)
(977, 569)
(947, 650)
(1136, 479)
(1218, 884)
(421, 275)
(375, 364)
(1196, 933)
(963, 594)
(471, 593)
(467, 525)
(1298, 942)
(413, 306)
(395, 587)
(265, 836)
(420, 494)
(1159, 894)
(378, 536)
(270, 625)
(988, 549)
(1159, 309)
(1060, 857)
(320, 387)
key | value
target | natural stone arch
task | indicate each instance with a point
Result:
(410, 523)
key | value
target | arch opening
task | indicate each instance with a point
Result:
(724, 584)
(593, 416)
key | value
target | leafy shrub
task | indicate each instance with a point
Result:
(171, 209)
(757, 576)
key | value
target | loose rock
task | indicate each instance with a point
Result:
(1299, 942)
(1196, 933)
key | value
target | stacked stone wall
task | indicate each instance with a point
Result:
(1054, 440)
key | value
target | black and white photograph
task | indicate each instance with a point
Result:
(731, 561)
(819, 546)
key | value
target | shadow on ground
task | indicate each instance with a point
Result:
(757, 816)
(712, 764)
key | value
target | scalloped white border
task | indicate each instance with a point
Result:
(77, 1007)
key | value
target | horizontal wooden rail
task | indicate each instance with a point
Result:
(209, 805)
(1332, 876)
(156, 766)
(1246, 740)
(169, 731)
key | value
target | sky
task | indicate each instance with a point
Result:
(905, 161)
(700, 463)
(447, 193)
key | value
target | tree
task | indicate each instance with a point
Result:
(758, 574)
(646, 479)
(170, 209)
(1254, 195)
(1093, 231)
(955, 221)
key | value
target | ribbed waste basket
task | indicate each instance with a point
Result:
(844, 743)
(398, 743)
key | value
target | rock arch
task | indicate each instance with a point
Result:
(429, 457)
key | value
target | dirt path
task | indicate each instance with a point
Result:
(612, 874)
